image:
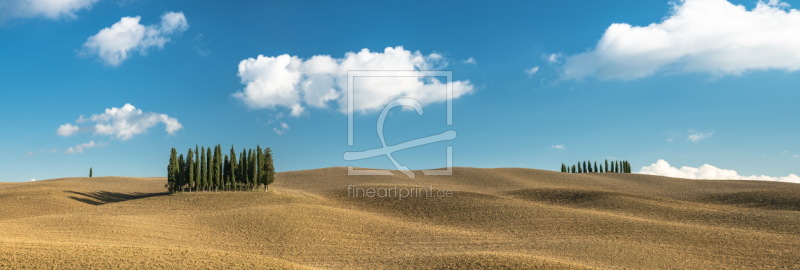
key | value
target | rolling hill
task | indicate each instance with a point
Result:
(495, 218)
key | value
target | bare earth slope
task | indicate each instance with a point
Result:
(495, 218)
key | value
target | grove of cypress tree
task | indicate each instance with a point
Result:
(563, 168)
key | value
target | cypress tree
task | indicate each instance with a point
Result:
(226, 172)
(573, 168)
(270, 168)
(218, 156)
(596, 169)
(203, 169)
(563, 168)
(192, 165)
(90, 172)
(210, 173)
(253, 170)
(181, 173)
(262, 174)
(214, 169)
(172, 169)
(242, 169)
(197, 173)
(233, 167)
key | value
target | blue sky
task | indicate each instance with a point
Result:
(541, 83)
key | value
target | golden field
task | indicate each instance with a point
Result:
(496, 218)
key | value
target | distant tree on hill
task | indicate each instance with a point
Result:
(90, 172)
(617, 166)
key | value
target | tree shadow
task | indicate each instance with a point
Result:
(104, 197)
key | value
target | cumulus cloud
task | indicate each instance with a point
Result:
(67, 130)
(79, 148)
(558, 146)
(699, 36)
(695, 136)
(124, 123)
(532, 71)
(663, 168)
(471, 60)
(116, 43)
(294, 83)
(51, 9)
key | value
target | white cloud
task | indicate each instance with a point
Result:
(558, 146)
(699, 36)
(532, 71)
(471, 60)
(51, 9)
(282, 129)
(67, 130)
(116, 43)
(695, 136)
(554, 58)
(79, 148)
(796, 156)
(663, 168)
(295, 83)
(126, 122)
